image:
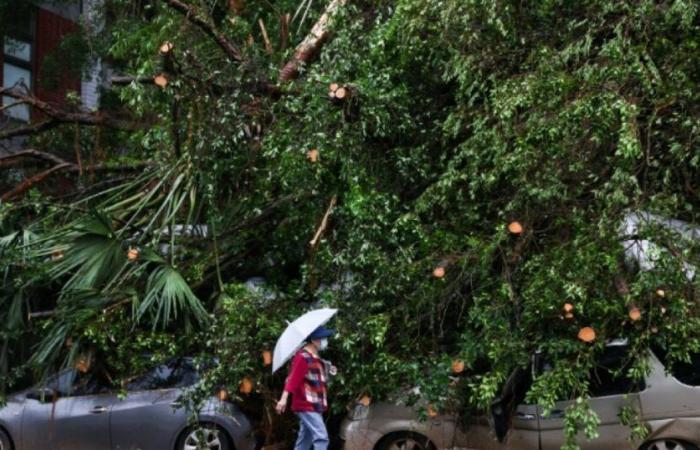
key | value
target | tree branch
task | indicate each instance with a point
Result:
(324, 223)
(12, 158)
(126, 80)
(31, 181)
(208, 28)
(60, 164)
(313, 42)
(29, 129)
(58, 116)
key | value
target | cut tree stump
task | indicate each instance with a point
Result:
(160, 80)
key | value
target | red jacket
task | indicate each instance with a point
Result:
(307, 382)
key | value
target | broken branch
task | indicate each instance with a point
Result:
(313, 42)
(263, 30)
(324, 222)
(191, 14)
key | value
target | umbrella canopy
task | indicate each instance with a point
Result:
(296, 333)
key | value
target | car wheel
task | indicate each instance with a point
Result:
(405, 441)
(669, 444)
(5, 443)
(203, 437)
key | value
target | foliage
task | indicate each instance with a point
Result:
(564, 116)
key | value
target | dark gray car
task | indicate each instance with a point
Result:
(76, 411)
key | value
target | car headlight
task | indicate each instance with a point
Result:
(360, 412)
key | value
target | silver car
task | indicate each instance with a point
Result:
(76, 411)
(668, 403)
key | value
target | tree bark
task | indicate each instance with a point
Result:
(313, 42)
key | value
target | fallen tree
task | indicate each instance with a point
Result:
(467, 216)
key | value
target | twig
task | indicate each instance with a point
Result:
(11, 105)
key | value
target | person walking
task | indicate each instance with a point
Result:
(307, 384)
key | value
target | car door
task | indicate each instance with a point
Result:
(673, 393)
(611, 391)
(76, 418)
(516, 424)
(149, 417)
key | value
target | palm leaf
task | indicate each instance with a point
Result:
(7, 241)
(93, 256)
(167, 293)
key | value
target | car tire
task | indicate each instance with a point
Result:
(212, 436)
(405, 441)
(669, 444)
(5, 443)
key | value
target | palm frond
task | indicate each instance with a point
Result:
(93, 255)
(8, 240)
(167, 294)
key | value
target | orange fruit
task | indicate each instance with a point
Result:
(586, 334)
(515, 227)
(439, 272)
(635, 314)
(457, 366)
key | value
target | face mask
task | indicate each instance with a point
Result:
(323, 345)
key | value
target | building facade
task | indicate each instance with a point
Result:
(33, 33)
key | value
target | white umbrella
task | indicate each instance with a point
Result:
(296, 333)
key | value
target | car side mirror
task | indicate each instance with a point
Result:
(43, 395)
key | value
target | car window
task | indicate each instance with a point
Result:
(71, 383)
(177, 373)
(685, 372)
(609, 377)
(61, 382)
